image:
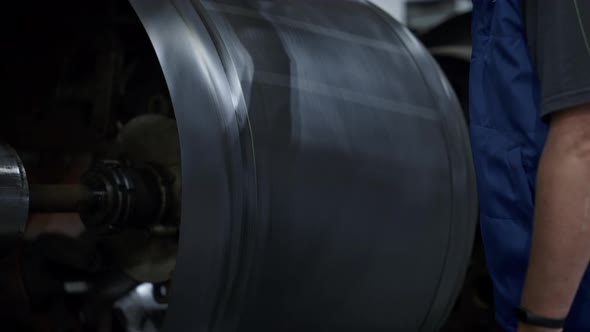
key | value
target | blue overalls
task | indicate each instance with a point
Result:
(507, 138)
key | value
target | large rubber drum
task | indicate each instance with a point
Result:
(327, 175)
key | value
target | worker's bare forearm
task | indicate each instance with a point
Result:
(560, 250)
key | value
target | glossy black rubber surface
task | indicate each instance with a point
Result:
(327, 179)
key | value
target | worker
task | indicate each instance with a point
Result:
(530, 130)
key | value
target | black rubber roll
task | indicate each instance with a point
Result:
(327, 173)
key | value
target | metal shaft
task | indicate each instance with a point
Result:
(58, 197)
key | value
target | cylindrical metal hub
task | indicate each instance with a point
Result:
(126, 196)
(14, 198)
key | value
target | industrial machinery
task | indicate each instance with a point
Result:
(228, 165)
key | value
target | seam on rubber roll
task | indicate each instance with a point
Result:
(248, 212)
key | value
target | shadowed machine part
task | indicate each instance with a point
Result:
(111, 195)
(326, 173)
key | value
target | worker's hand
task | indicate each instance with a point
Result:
(530, 328)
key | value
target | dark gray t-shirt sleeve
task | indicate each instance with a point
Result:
(558, 33)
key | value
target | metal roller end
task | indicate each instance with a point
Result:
(14, 198)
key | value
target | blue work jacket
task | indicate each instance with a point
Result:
(507, 138)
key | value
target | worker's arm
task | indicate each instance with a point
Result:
(558, 33)
(560, 250)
